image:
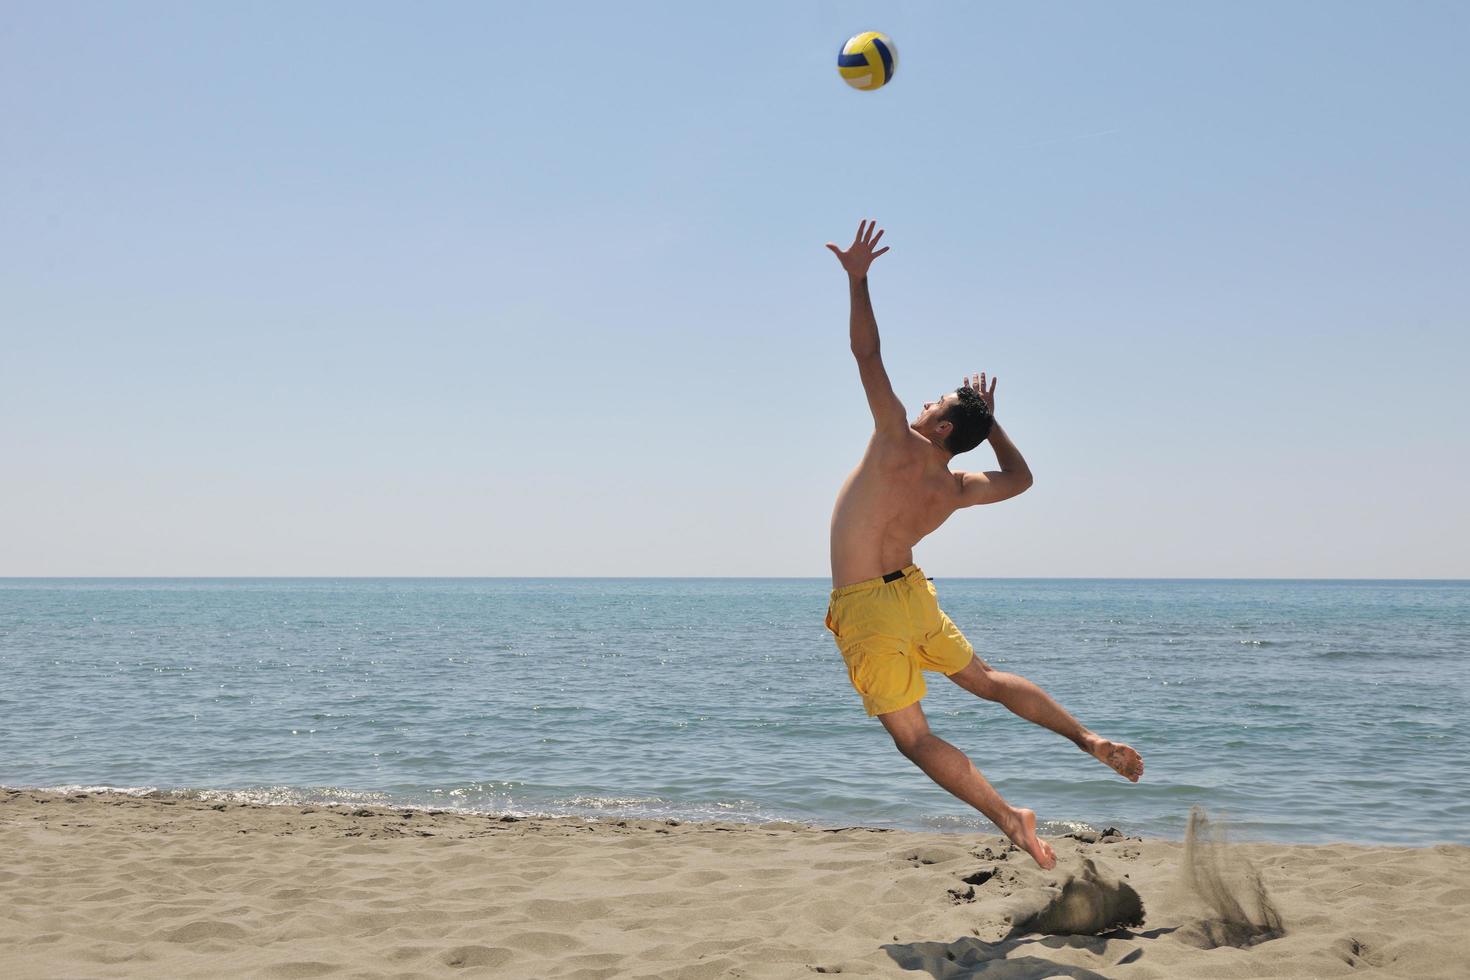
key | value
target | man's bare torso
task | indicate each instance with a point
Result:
(903, 488)
(900, 491)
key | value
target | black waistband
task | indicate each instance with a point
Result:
(893, 576)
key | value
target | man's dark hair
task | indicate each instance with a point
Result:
(971, 419)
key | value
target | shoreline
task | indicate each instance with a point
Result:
(373, 800)
(106, 884)
(251, 798)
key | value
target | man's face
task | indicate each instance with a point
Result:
(934, 411)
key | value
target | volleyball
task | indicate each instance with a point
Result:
(868, 60)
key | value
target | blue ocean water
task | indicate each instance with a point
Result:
(1306, 711)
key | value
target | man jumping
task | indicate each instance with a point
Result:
(884, 613)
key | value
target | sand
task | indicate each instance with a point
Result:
(103, 885)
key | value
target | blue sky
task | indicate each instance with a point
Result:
(364, 289)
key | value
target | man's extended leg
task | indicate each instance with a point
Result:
(952, 769)
(1024, 698)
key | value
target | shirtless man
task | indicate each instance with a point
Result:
(884, 613)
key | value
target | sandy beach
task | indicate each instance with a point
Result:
(112, 885)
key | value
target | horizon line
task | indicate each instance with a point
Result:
(750, 578)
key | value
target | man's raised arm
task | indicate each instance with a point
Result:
(888, 413)
(1013, 477)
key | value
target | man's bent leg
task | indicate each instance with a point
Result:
(1024, 698)
(953, 770)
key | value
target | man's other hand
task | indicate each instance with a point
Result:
(977, 382)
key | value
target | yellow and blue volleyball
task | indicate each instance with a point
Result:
(868, 60)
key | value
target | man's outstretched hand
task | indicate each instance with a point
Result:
(860, 254)
(977, 382)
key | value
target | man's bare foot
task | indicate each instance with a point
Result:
(1024, 837)
(1119, 757)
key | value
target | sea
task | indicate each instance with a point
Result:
(1302, 711)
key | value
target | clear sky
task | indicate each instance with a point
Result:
(475, 289)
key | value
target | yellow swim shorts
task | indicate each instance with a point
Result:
(889, 633)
